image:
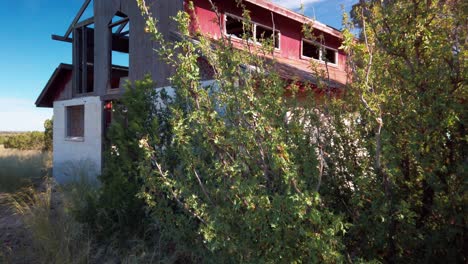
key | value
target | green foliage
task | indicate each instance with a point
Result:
(224, 176)
(235, 171)
(30, 140)
(410, 92)
(48, 135)
(25, 141)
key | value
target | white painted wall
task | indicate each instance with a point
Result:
(74, 158)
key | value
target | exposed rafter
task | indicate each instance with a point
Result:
(121, 22)
(77, 18)
(121, 27)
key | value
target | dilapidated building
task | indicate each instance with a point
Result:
(111, 47)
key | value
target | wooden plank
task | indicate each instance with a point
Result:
(61, 38)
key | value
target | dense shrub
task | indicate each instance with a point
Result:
(237, 172)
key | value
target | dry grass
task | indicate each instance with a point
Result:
(18, 168)
(53, 235)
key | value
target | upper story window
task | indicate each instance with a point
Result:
(119, 47)
(237, 27)
(316, 51)
(83, 59)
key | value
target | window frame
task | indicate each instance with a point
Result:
(254, 30)
(321, 49)
(69, 137)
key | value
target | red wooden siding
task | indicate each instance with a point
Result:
(290, 30)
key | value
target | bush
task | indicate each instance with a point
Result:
(48, 135)
(30, 140)
(217, 172)
(25, 141)
(238, 172)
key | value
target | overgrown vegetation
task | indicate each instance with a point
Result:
(55, 236)
(238, 172)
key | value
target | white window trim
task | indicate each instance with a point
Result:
(254, 33)
(75, 139)
(267, 27)
(321, 48)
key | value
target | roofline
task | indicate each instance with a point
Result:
(62, 66)
(296, 16)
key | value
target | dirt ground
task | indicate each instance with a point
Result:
(15, 240)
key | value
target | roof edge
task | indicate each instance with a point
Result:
(47, 87)
(296, 16)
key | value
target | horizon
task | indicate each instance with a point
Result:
(30, 56)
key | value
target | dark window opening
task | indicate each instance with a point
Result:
(206, 70)
(329, 55)
(310, 50)
(75, 121)
(235, 27)
(119, 50)
(266, 34)
(83, 58)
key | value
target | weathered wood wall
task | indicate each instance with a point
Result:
(143, 59)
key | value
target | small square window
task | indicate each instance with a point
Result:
(75, 121)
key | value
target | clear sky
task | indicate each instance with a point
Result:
(28, 55)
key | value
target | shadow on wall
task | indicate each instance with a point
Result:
(82, 171)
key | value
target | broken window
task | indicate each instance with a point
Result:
(83, 58)
(310, 50)
(236, 26)
(119, 50)
(319, 52)
(75, 121)
(329, 55)
(263, 33)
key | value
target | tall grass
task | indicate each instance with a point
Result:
(56, 236)
(18, 168)
(48, 215)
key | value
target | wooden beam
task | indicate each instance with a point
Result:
(125, 20)
(62, 38)
(85, 22)
(121, 27)
(120, 44)
(77, 18)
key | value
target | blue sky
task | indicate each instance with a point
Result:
(28, 55)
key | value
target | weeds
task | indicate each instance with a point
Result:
(56, 236)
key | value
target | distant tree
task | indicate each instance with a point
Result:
(48, 134)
